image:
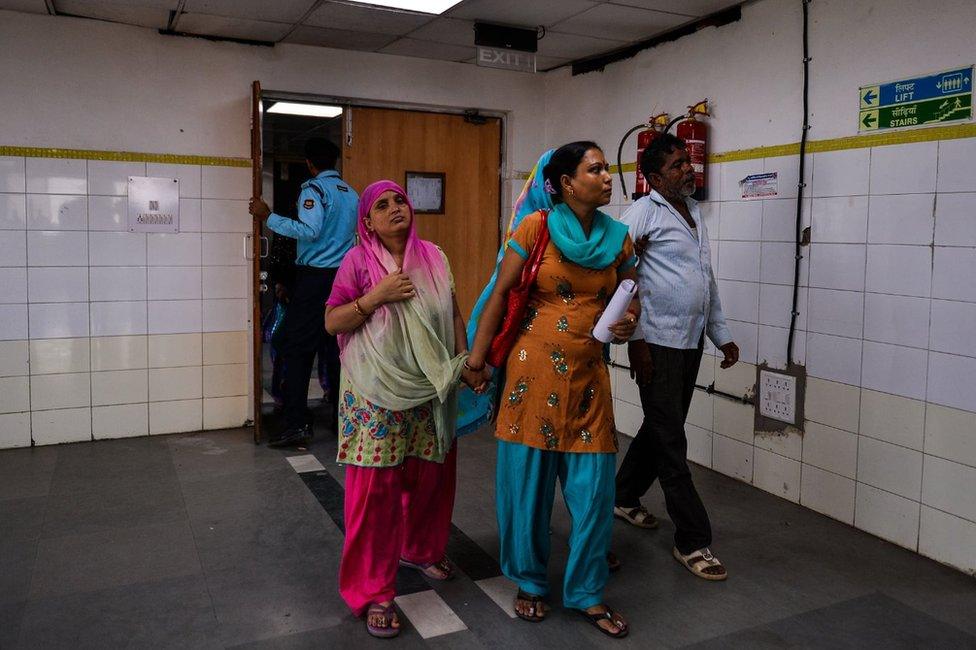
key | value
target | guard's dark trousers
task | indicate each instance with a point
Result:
(660, 448)
(302, 333)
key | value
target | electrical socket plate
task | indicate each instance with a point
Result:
(777, 396)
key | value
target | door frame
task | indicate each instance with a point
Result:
(258, 97)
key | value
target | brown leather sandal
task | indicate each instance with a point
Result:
(538, 607)
(702, 563)
(613, 617)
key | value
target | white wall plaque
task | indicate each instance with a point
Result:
(154, 204)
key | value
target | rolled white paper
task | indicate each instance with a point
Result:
(614, 311)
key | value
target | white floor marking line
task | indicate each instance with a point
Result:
(429, 614)
(305, 463)
(501, 590)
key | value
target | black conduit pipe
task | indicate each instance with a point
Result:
(800, 185)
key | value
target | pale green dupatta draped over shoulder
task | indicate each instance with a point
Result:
(403, 356)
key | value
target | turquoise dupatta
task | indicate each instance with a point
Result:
(474, 411)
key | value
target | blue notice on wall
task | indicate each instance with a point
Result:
(916, 89)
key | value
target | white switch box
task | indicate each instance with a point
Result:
(777, 396)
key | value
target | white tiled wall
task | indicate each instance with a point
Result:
(886, 312)
(106, 333)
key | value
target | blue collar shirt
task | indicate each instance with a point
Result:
(677, 289)
(326, 224)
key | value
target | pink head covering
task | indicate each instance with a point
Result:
(369, 262)
(419, 254)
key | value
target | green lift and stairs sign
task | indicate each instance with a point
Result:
(932, 99)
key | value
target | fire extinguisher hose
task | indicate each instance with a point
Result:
(620, 153)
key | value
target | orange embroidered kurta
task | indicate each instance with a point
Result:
(557, 385)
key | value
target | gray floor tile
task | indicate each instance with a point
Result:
(265, 602)
(80, 563)
(213, 454)
(174, 613)
(11, 616)
(348, 633)
(111, 464)
(128, 503)
(21, 521)
(872, 621)
(265, 491)
(27, 472)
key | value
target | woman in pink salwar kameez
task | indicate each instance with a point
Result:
(403, 350)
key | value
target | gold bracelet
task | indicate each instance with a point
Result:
(359, 310)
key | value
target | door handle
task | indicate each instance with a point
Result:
(265, 247)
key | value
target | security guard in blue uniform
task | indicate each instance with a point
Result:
(325, 230)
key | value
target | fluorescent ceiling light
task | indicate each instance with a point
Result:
(313, 110)
(420, 6)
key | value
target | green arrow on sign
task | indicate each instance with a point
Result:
(869, 120)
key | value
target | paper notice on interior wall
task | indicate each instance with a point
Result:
(759, 186)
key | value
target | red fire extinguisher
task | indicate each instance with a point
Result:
(695, 135)
(655, 127)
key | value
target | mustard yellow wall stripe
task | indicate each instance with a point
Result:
(952, 132)
(125, 156)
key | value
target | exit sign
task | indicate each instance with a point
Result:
(494, 57)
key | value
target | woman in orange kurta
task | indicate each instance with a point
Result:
(555, 420)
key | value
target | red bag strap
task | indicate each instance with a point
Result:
(531, 268)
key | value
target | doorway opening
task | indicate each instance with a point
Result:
(376, 142)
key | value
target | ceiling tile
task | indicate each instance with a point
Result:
(24, 6)
(252, 30)
(279, 11)
(447, 30)
(684, 7)
(337, 15)
(571, 46)
(429, 50)
(116, 12)
(161, 5)
(339, 38)
(527, 13)
(620, 23)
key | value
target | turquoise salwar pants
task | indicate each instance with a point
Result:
(525, 485)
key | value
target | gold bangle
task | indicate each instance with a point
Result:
(359, 310)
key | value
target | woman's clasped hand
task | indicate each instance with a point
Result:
(476, 379)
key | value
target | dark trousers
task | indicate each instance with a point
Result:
(660, 448)
(301, 336)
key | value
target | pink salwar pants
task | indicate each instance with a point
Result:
(393, 513)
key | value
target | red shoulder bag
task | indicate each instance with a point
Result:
(518, 300)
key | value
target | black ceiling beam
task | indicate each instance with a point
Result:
(601, 61)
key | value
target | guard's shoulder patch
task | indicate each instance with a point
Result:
(309, 204)
(342, 188)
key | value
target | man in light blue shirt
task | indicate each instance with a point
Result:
(325, 230)
(679, 307)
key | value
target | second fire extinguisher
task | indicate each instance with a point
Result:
(656, 126)
(695, 135)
